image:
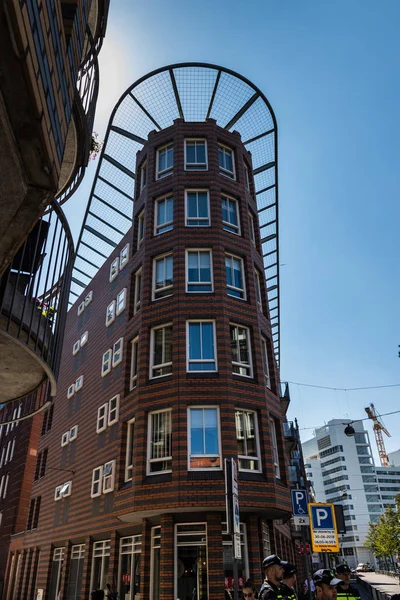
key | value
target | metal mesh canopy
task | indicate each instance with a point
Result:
(194, 92)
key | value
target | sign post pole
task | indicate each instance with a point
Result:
(233, 518)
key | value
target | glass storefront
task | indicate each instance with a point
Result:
(129, 567)
(191, 575)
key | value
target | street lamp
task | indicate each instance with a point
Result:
(349, 430)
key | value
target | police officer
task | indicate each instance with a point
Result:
(273, 571)
(288, 582)
(344, 589)
(325, 584)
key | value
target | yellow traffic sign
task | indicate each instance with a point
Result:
(324, 536)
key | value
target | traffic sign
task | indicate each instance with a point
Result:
(324, 537)
(299, 505)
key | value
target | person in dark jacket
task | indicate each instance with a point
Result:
(273, 571)
(288, 582)
(344, 589)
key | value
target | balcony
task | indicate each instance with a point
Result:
(284, 397)
(290, 435)
(33, 303)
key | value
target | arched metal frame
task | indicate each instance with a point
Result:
(194, 92)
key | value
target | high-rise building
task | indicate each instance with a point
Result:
(169, 363)
(394, 458)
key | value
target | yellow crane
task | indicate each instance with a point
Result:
(378, 428)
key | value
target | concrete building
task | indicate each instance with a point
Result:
(169, 362)
(388, 480)
(394, 458)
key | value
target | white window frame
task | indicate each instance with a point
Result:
(241, 365)
(79, 383)
(189, 361)
(97, 479)
(118, 349)
(100, 550)
(197, 166)
(3, 453)
(134, 362)
(252, 228)
(189, 444)
(106, 362)
(63, 491)
(114, 269)
(140, 228)
(155, 544)
(89, 298)
(256, 459)
(188, 220)
(180, 537)
(199, 283)
(108, 477)
(265, 354)
(113, 410)
(124, 257)
(84, 338)
(120, 302)
(130, 433)
(71, 391)
(110, 313)
(76, 347)
(8, 452)
(73, 433)
(64, 439)
(154, 367)
(159, 229)
(81, 308)
(12, 449)
(222, 169)
(227, 225)
(169, 169)
(143, 175)
(230, 287)
(138, 291)
(150, 443)
(166, 288)
(274, 444)
(257, 285)
(246, 176)
(102, 415)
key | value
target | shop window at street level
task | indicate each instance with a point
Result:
(56, 571)
(155, 563)
(100, 565)
(129, 567)
(75, 574)
(191, 565)
(204, 438)
(195, 155)
(242, 564)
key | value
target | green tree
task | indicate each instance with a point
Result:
(383, 538)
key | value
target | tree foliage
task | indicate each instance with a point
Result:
(383, 537)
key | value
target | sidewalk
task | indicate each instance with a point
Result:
(379, 586)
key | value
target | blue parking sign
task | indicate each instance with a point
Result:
(324, 537)
(322, 516)
(299, 503)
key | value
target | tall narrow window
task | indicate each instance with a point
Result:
(246, 176)
(247, 440)
(117, 352)
(113, 271)
(226, 161)
(130, 430)
(265, 354)
(134, 363)
(161, 351)
(195, 155)
(75, 574)
(155, 563)
(197, 208)
(272, 426)
(230, 215)
(84, 338)
(124, 257)
(235, 276)
(121, 302)
(100, 565)
(129, 567)
(143, 175)
(257, 283)
(138, 291)
(199, 271)
(165, 161)
(56, 570)
(106, 362)
(164, 215)
(159, 451)
(140, 228)
(162, 276)
(241, 351)
(110, 313)
(201, 344)
(204, 438)
(252, 229)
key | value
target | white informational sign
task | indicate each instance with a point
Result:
(235, 509)
(301, 520)
(237, 547)
(39, 594)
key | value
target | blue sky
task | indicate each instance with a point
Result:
(331, 73)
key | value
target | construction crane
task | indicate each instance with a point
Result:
(378, 428)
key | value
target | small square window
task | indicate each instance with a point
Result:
(235, 276)
(121, 302)
(140, 228)
(73, 433)
(162, 276)
(165, 161)
(138, 291)
(81, 308)
(84, 338)
(71, 391)
(102, 416)
(230, 215)
(197, 208)
(196, 155)
(114, 269)
(106, 362)
(226, 161)
(88, 298)
(124, 257)
(79, 383)
(199, 276)
(66, 489)
(110, 313)
(134, 363)
(76, 347)
(163, 215)
(65, 438)
(117, 352)
(113, 410)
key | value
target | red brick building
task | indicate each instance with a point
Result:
(168, 368)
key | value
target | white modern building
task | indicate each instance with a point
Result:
(394, 458)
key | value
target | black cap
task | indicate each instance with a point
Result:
(271, 560)
(326, 576)
(343, 569)
(289, 570)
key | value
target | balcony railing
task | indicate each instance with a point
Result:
(33, 304)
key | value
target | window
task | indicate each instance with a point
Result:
(100, 565)
(75, 574)
(33, 514)
(165, 161)
(159, 450)
(247, 440)
(161, 351)
(84, 338)
(140, 228)
(3, 452)
(71, 391)
(12, 449)
(76, 347)
(41, 462)
(62, 491)
(230, 215)
(124, 257)
(191, 550)
(163, 276)
(79, 383)
(164, 215)
(155, 563)
(274, 443)
(117, 352)
(88, 298)
(47, 420)
(103, 479)
(226, 162)
(129, 567)
(130, 430)
(143, 175)
(265, 355)
(235, 276)
(56, 570)
(201, 345)
(199, 277)
(81, 308)
(197, 208)
(204, 439)
(4, 485)
(252, 230)
(121, 302)
(65, 438)
(134, 363)
(106, 363)
(196, 155)
(102, 418)
(243, 562)
(138, 291)
(241, 351)
(108, 414)
(110, 313)
(246, 176)
(114, 269)
(73, 433)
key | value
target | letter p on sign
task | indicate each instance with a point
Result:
(322, 515)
